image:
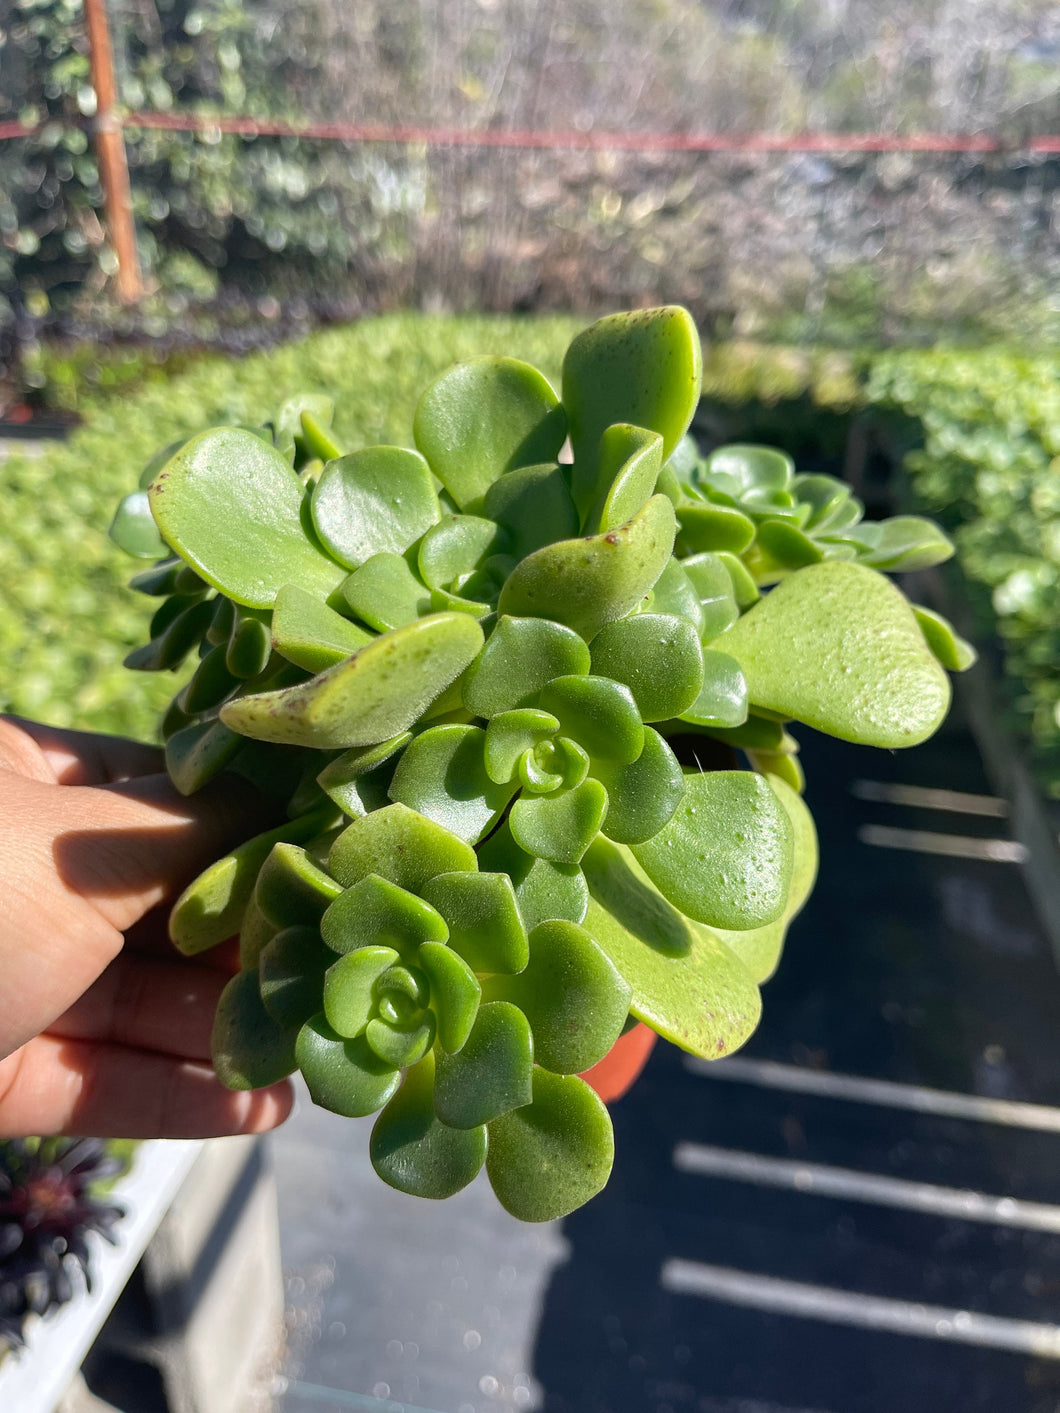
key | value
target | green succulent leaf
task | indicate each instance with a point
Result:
(378, 911)
(385, 593)
(644, 368)
(705, 527)
(413, 1151)
(255, 932)
(712, 583)
(291, 971)
(744, 587)
(483, 917)
(510, 735)
(784, 546)
(534, 506)
(838, 647)
(559, 826)
(161, 579)
(349, 987)
(522, 655)
(379, 500)
(196, 753)
(248, 1047)
(543, 890)
(686, 984)
(758, 733)
(310, 634)
(442, 774)
(291, 889)
(600, 715)
(492, 1072)
(722, 697)
(589, 582)
(906, 542)
(675, 594)
(955, 653)
(171, 643)
(643, 796)
(345, 1076)
(484, 417)
(572, 994)
(455, 993)
(551, 1156)
(249, 645)
(401, 1045)
(657, 656)
(453, 548)
(231, 506)
(370, 697)
(399, 845)
(342, 777)
(209, 685)
(740, 470)
(725, 857)
(133, 528)
(628, 464)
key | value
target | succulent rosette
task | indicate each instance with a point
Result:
(460, 669)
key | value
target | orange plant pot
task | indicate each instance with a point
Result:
(616, 1072)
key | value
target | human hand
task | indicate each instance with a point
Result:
(104, 1028)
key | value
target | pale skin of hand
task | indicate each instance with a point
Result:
(104, 1027)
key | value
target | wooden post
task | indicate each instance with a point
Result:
(110, 151)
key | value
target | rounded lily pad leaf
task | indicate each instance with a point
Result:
(291, 890)
(725, 857)
(600, 715)
(657, 656)
(722, 697)
(249, 1048)
(644, 368)
(455, 993)
(484, 417)
(377, 911)
(589, 582)
(534, 506)
(310, 634)
(838, 646)
(953, 652)
(291, 975)
(454, 547)
(485, 926)
(374, 695)
(643, 796)
(349, 988)
(413, 1151)
(399, 845)
(492, 1072)
(385, 593)
(543, 890)
(510, 735)
(572, 994)
(231, 506)
(375, 500)
(442, 774)
(628, 465)
(345, 1076)
(560, 826)
(521, 656)
(133, 528)
(550, 1157)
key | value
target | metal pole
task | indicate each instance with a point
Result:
(110, 151)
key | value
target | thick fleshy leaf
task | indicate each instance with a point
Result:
(510, 735)
(248, 1047)
(175, 636)
(255, 933)
(377, 912)
(534, 506)
(161, 579)
(307, 632)
(643, 368)
(317, 438)
(785, 546)
(484, 417)
(231, 506)
(288, 421)
(599, 714)
(349, 987)
(454, 547)
(725, 858)
(628, 464)
(291, 975)
(572, 994)
(589, 582)
(708, 527)
(374, 695)
(375, 500)
(249, 643)
(133, 528)
(543, 890)
(551, 1157)
(713, 585)
(521, 655)
(485, 927)
(492, 1072)
(339, 778)
(401, 1045)
(643, 796)
(196, 753)
(657, 656)
(399, 845)
(676, 595)
(744, 588)
(952, 651)
(442, 774)
(455, 993)
(907, 542)
(561, 826)
(412, 1150)
(838, 646)
(345, 1076)
(722, 697)
(385, 593)
(756, 733)
(686, 984)
(291, 889)
(759, 948)
(742, 467)
(211, 907)
(209, 685)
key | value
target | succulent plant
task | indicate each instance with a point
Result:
(460, 670)
(49, 1203)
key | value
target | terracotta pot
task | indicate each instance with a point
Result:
(616, 1072)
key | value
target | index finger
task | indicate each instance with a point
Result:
(86, 758)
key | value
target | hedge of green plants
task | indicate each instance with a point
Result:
(980, 431)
